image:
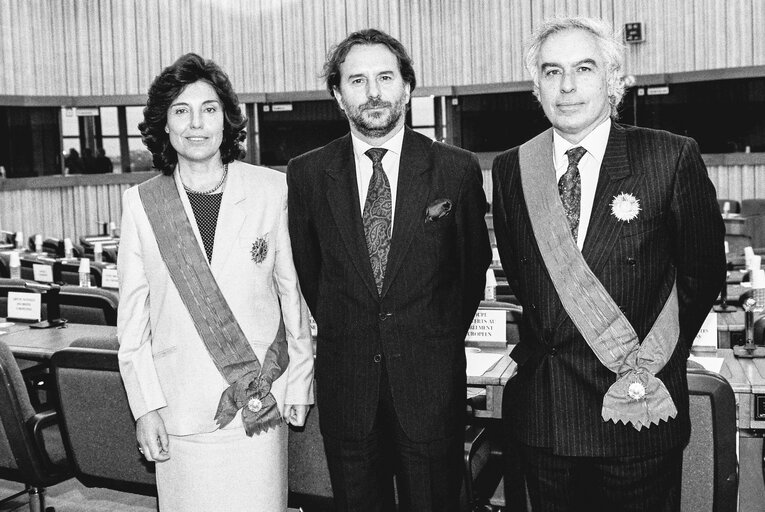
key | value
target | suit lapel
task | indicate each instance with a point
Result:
(604, 230)
(343, 199)
(233, 212)
(411, 195)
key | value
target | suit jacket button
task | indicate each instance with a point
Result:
(377, 358)
(384, 316)
(553, 351)
(631, 261)
(523, 260)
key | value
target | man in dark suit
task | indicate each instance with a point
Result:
(392, 310)
(612, 239)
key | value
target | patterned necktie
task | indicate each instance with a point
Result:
(378, 218)
(570, 188)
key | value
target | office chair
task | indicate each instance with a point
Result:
(93, 306)
(710, 468)
(96, 422)
(31, 450)
(752, 206)
(68, 272)
(55, 247)
(733, 205)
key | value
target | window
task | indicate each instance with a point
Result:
(724, 116)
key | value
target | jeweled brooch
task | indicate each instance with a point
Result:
(625, 207)
(259, 250)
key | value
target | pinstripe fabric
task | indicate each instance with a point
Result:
(596, 484)
(414, 328)
(433, 282)
(555, 399)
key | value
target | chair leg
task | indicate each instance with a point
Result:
(36, 499)
(13, 497)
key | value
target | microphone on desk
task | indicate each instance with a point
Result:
(723, 306)
(51, 292)
(753, 304)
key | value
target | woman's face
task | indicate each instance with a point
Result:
(195, 123)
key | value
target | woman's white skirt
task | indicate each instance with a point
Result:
(225, 471)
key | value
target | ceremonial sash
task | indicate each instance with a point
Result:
(249, 382)
(637, 397)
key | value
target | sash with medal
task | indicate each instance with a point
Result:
(637, 397)
(249, 380)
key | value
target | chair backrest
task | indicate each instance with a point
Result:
(97, 424)
(752, 206)
(93, 306)
(733, 205)
(710, 467)
(69, 272)
(23, 456)
(308, 475)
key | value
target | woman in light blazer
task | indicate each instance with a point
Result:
(215, 347)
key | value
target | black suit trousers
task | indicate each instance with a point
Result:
(428, 475)
(556, 483)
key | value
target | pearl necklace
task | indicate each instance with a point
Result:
(212, 190)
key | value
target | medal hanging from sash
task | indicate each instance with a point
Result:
(637, 397)
(249, 381)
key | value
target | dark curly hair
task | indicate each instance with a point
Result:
(166, 87)
(338, 53)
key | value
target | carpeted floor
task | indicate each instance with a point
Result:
(71, 496)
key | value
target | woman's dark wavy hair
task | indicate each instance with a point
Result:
(338, 53)
(166, 87)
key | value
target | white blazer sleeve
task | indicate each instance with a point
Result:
(133, 317)
(295, 315)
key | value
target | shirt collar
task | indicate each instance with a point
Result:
(393, 145)
(595, 143)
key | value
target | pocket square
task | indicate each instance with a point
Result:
(437, 209)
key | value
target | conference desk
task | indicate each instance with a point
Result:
(41, 344)
(493, 380)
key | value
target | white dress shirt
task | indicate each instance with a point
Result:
(390, 163)
(589, 169)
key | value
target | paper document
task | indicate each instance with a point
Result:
(713, 364)
(480, 363)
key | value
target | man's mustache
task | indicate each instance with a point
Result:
(375, 103)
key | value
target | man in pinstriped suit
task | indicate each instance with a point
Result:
(392, 310)
(645, 223)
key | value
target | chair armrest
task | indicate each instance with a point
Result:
(36, 425)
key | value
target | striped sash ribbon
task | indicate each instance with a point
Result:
(637, 397)
(249, 382)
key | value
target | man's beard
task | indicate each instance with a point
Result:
(378, 124)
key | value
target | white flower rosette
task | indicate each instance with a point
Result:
(625, 207)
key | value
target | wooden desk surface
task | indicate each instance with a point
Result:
(43, 343)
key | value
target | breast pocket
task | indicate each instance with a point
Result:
(641, 226)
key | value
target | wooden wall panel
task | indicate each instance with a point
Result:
(61, 212)
(116, 47)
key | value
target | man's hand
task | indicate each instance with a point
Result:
(295, 414)
(152, 438)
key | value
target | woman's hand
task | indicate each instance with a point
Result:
(152, 438)
(295, 414)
